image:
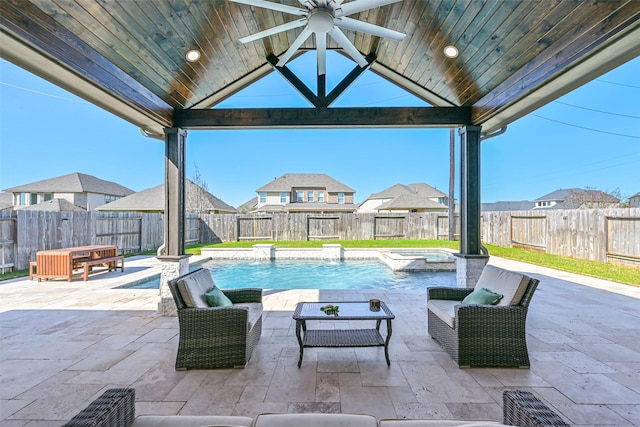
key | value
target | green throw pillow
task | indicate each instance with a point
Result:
(216, 298)
(482, 296)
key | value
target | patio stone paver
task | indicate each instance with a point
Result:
(63, 344)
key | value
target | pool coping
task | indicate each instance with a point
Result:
(392, 257)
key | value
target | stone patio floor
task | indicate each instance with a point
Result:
(62, 344)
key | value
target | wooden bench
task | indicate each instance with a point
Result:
(32, 267)
(109, 262)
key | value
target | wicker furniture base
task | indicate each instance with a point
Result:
(358, 310)
(116, 408)
(522, 408)
(484, 335)
(216, 337)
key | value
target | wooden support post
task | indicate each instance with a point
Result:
(174, 182)
(470, 243)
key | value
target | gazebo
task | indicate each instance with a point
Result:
(164, 65)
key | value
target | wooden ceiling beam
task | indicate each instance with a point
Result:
(323, 118)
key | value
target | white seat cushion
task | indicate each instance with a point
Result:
(508, 283)
(444, 309)
(190, 421)
(255, 311)
(315, 420)
(193, 287)
(425, 423)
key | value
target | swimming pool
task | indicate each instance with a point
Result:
(315, 274)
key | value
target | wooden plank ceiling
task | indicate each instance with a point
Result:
(128, 56)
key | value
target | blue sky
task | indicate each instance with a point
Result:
(588, 138)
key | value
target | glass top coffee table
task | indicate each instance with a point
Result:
(354, 310)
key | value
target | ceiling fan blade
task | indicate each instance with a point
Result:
(321, 48)
(365, 27)
(346, 44)
(274, 6)
(356, 6)
(304, 35)
(270, 31)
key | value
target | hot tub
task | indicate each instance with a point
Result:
(421, 260)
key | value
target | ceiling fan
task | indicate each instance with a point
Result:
(322, 18)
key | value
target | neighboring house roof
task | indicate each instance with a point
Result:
(407, 197)
(6, 201)
(411, 201)
(399, 189)
(73, 183)
(558, 194)
(54, 205)
(306, 180)
(573, 198)
(152, 200)
(522, 205)
(249, 205)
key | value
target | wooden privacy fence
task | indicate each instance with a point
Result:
(341, 226)
(604, 235)
(609, 235)
(25, 232)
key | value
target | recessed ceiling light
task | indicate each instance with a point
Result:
(193, 55)
(451, 51)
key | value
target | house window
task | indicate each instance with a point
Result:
(23, 199)
(309, 196)
(47, 196)
(321, 196)
(340, 197)
(299, 196)
(109, 198)
(263, 197)
(283, 197)
(33, 198)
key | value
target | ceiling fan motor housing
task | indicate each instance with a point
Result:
(320, 20)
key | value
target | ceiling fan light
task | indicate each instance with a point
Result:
(192, 55)
(451, 51)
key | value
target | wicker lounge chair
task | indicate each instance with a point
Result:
(217, 337)
(478, 335)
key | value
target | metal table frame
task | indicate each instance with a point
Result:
(348, 310)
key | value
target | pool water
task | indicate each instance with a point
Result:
(310, 274)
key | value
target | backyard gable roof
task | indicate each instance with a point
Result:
(514, 56)
(73, 183)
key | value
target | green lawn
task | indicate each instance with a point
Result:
(616, 273)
